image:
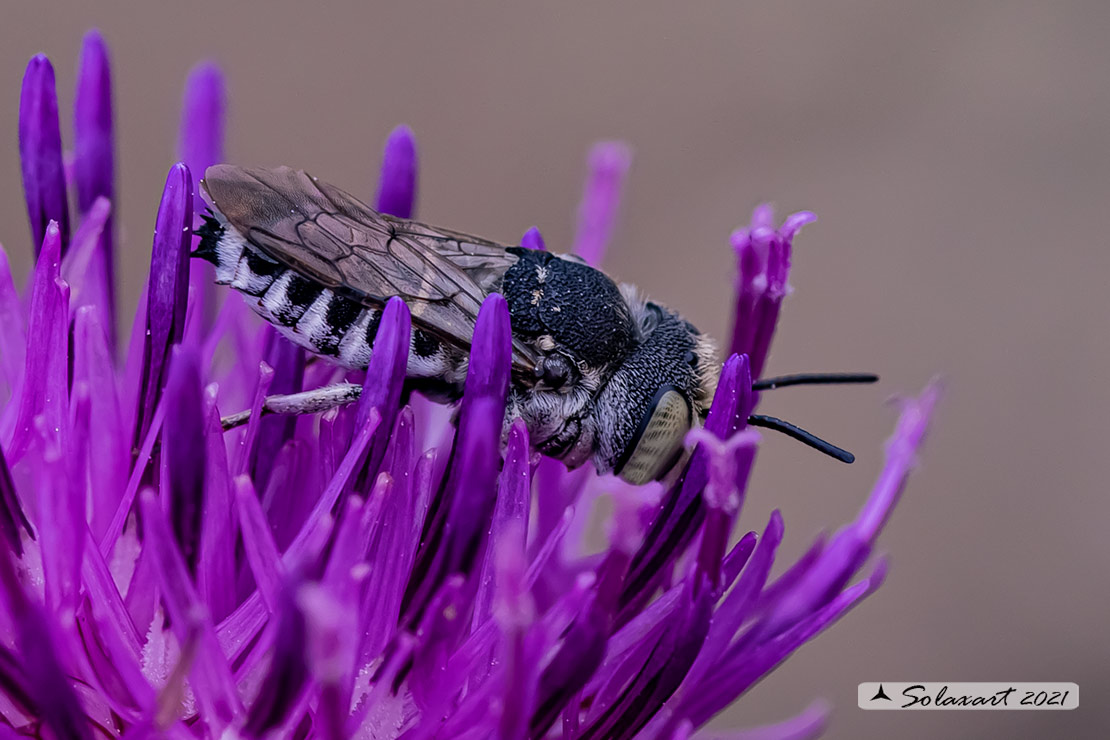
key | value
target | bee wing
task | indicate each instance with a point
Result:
(341, 243)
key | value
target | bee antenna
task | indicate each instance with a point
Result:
(770, 422)
(782, 381)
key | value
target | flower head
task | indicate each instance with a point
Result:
(383, 569)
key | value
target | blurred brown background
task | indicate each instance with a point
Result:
(957, 157)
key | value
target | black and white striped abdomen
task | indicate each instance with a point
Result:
(315, 317)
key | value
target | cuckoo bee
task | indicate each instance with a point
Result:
(599, 373)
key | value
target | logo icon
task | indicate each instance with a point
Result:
(880, 694)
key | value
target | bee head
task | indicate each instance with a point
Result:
(654, 397)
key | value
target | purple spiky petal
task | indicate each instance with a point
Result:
(94, 154)
(397, 183)
(40, 153)
(167, 290)
(200, 144)
(597, 213)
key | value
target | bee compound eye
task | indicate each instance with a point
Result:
(658, 438)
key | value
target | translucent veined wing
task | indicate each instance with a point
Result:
(336, 240)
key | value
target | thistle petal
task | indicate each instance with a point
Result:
(115, 629)
(741, 669)
(167, 291)
(660, 675)
(288, 362)
(82, 265)
(532, 239)
(295, 481)
(515, 613)
(288, 669)
(357, 526)
(93, 141)
(244, 623)
(460, 516)
(44, 390)
(901, 457)
(11, 511)
(246, 442)
(391, 554)
(332, 634)
(737, 605)
(431, 684)
(597, 213)
(61, 508)
(730, 462)
(183, 446)
(201, 137)
(850, 547)
(737, 558)
(510, 513)
(47, 682)
(200, 145)
(212, 681)
(573, 663)
(94, 152)
(108, 450)
(385, 377)
(262, 553)
(40, 153)
(397, 183)
(763, 256)
(216, 569)
(13, 328)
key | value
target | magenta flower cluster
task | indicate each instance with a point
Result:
(385, 570)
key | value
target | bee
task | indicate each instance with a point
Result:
(599, 373)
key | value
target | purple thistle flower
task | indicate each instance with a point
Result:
(373, 571)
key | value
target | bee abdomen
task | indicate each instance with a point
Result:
(221, 246)
(326, 322)
(313, 316)
(288, 298)
(319, 320)
(334, 326)
(254, 274)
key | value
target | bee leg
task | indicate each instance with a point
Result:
(306, 402)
